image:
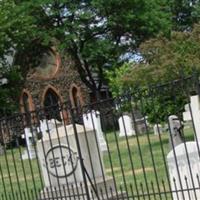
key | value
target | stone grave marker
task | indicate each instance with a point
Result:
(184, 167)
(92, 120)
(141, 126)
(46, 126)
(195, 111)
(60, 164)
(187, 117)
(141, 122)
(30, 137)
(125, 126)
(186, 113)
(175, 128)
(157, 129)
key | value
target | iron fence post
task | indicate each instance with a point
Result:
(80, 154)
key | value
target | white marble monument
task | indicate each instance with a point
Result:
(46, 126)
(194, 114)
(157, 129)
(92, 120)
(30, 137)
(125, 126)
(183, 170)
(175, 131)
(60, 161)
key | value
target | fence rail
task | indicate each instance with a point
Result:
(142, 145)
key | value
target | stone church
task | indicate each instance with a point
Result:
(53, 82)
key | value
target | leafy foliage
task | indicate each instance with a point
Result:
(185, 13)
(164, 60)
(10, 91)
(95, 33)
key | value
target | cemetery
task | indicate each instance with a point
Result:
(35, 176)
(133, 158)
(100, 100)
(147, 161)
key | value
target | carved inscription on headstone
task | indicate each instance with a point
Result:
(61, 161)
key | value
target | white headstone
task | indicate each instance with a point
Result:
(157, 128)
(184, 166)
(125, 126)
(29, 152)
(46, 126)
(175, 132)
(62, 141)
(195, 110)
(92, 120)
(60, 163)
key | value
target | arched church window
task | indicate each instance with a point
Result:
(51, 105)
(76, 101)
(25, 102)
(76, 98)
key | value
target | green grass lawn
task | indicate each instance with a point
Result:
(142, 162)
(137, 165)
(19, 176)
(143, 166)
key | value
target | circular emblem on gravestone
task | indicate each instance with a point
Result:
(61, 161)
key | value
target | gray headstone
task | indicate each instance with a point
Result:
(175, 131)
(141, 126)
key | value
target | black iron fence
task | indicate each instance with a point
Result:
(143, 145)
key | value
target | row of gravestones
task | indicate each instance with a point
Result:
(183, 159)
(91, 120)
(30, 136)
(58, 154)
(48, 126)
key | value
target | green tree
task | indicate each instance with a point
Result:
(185, 13)
(94, 33)
(9, 90)
(164, 60)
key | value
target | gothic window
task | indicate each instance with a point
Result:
(25, 102)
(76, 101)
(51, 105)
(75, 96)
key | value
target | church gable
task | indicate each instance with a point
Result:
(54, 81)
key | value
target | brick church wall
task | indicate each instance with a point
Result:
(65, 77)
